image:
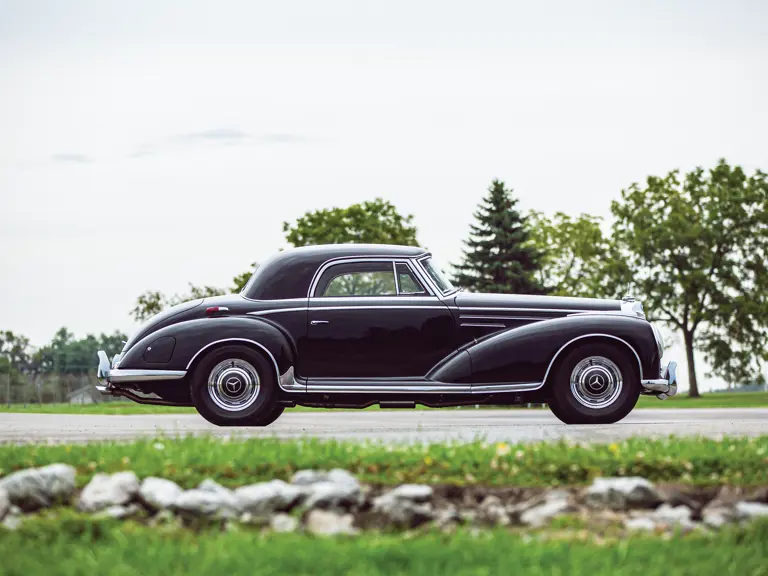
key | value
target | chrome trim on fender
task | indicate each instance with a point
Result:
(665, 386)
(482, 325)
(277, 370)
(639, 364)
(275, 311)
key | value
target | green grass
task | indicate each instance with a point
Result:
(75, 545)
(235, 462)
(711, 400)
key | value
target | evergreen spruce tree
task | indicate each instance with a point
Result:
(499, 256)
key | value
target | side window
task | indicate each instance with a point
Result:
(357, 279)
(406, 281)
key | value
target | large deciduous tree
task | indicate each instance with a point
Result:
(370, 222)
(573, 251)
(499, 255)
(695, 249)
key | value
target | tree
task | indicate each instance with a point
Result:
(572, 253)
(500, 255)
(696, 251)
(370, 222)
(153, 301)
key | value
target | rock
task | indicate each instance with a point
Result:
(331, 495)
(556, 504)
(749, 510)
(309, 477)
(673, 515)
(325, 523)
(159, 493)
(209, 485)
(12, 522)
(718, 516)
(283, 523)
(622, 493)
(119, 512)
(36, 488)
(494, 512)
(14, 511)
(642, 523)
(265, 498)
(106, 490)
(5, 503)
(204, 503)
(405, 506)
(412, 492)
(449, 516)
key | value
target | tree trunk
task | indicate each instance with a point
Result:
(693, 387)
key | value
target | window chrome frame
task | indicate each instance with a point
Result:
(432, 283)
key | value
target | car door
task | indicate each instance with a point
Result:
(373, 319)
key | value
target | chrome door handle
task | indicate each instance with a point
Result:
(316, 322)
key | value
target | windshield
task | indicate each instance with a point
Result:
(437, 275)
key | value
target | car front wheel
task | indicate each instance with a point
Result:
(595, 384)
(235, 386)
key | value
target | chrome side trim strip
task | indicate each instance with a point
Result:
(380, 306)
(482, 325)
(117, 375)
(288, 382)
(472, 317)
(639, 364)
(558, 310)
(421, 388)
(275, 311)
(277, 370)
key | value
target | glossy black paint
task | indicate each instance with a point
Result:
(397, 336)
(459, 339)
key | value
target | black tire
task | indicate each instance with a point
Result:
(234, 399)
(607, 385)
(268, 418)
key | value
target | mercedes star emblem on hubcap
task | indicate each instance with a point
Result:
(232, 384)
(595, 382)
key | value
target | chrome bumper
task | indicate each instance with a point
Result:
(108, 374)
(665, 386)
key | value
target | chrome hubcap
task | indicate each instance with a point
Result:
(233, 385)
(596, 382)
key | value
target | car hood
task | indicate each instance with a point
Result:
(521, 302)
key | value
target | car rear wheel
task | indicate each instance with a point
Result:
(595, 384)
(235, 386)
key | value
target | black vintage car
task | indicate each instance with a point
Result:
(350, 325)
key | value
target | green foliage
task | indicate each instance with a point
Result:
(153, 301)
(238, 461)
(239, 281)
(376, 222)
(500, 256)
(72, 544)
(573, 251)
(696, 251)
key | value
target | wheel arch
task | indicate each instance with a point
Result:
(216, 344)
(583, 339)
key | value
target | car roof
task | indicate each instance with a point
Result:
(288, 273)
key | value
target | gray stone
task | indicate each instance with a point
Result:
(119, 512)
(337, 476)
(447, 516)
(283, 523)
(5, 503)
(494, 512)
(749, 510)
(105, 490)
(404, 506)
(14, 511)
(12, 522)
(718, 516)
(266, 498)
(642, 523)
(159, 493)
(622, 493)
(545, 512)
(673, 515)
(326, 523)
(207, 504)
(331, 495)
(209, 485)
(36, 488)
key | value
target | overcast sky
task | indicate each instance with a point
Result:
(148, 144)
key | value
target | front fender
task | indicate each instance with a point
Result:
(191, 338)
(526, 354)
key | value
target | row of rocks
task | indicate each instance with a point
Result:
(335, 502)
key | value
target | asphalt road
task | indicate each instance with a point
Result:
(392, 426)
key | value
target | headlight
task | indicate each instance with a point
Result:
(659, 341)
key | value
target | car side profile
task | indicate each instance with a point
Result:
(353, 325)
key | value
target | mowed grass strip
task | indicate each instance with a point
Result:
(711, 400)
(76, 545)
(234, 462)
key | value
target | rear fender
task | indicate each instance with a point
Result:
(191, 339)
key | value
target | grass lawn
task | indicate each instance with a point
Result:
(711, 400)
(76, 545)
(235, 462)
